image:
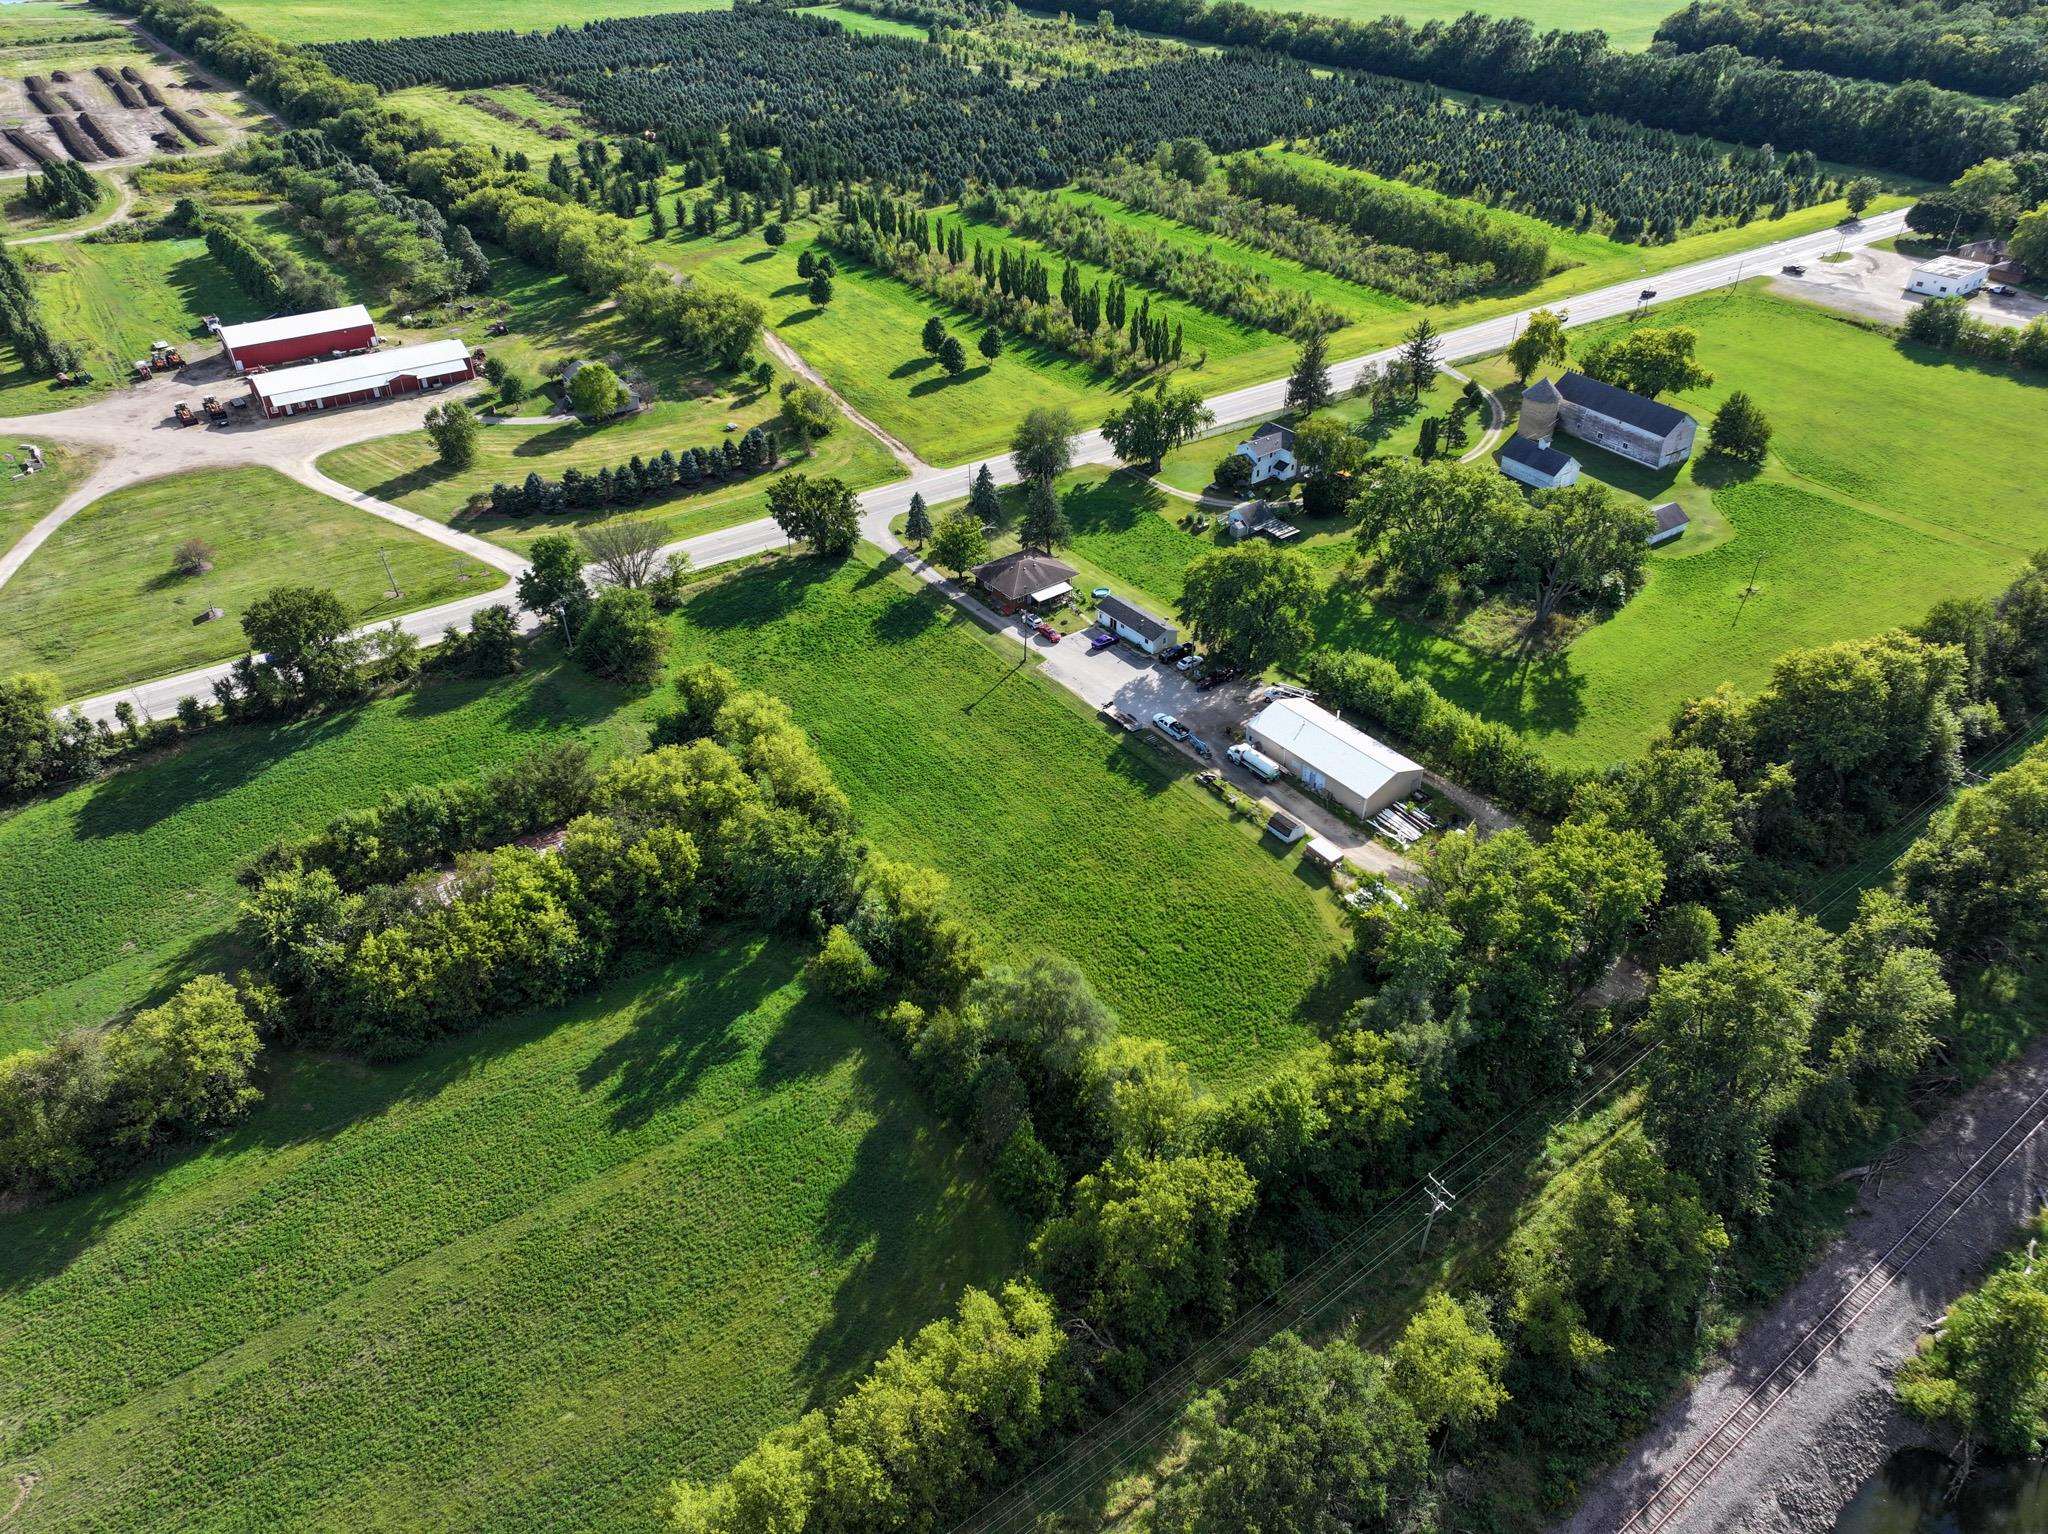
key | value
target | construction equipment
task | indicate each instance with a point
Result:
(141, 367)
(164, 355)
(215, 410)
(185, 415)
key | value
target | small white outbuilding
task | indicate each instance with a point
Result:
(1947, 277)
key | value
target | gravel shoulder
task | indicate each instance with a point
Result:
(1833, 1429)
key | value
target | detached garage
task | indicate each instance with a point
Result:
(298, 337)
(352, 380)
(1332, 758)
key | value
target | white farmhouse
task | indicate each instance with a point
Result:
(1331, 757)
(1271, 450)
(1947, 277)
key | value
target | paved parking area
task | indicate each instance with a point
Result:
(1872, 283)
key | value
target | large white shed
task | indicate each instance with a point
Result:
(1333, 758)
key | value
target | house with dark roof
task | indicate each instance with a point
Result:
(1025, 578)
(1632, 425)
(1135, 626)
(1254, 517)
(1537, 464)
(1671, 522)
(1271, 450)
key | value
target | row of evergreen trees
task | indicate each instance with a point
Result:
(638, 479)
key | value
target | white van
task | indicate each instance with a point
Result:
(1254, 761)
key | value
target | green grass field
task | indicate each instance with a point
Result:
(1627, 23)
(404, 469)
(329, 21)
(861, 21)
(518, 1283)
(24, 498)
(100, 604)
(19, 218)
(1870, 510)
(1058, 834)
(451, 113)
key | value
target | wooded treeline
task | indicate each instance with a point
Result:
(1993, 49)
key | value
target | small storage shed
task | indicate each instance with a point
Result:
(1671, 522)
(1135, 626)
(1537, 464)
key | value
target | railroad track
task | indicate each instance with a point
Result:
(1657, 1512)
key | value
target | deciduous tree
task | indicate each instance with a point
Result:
(1249, 606)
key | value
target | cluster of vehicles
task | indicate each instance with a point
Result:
(1205, 674)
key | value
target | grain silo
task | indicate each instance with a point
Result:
(1539, 411)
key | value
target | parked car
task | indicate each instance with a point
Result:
(1046, 631)
(2000, 289)
(1177, 654)
(1101, 639)
(1187, 662)
(1793, 269)
(1214, 676)
(1170, 727)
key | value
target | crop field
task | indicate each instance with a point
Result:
(100, 604)
(404, 468)
(518, 1283)
(1058, 834)
(113, 893)
(331, 21)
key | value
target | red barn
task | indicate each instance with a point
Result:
(352, 380)
(298, 337)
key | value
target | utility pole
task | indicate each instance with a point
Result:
(1441, 1201)
(1749, 590)
(390, 580)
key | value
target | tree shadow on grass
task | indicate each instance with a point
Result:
(399, 486)
(758, 596)
(556, 438)
(915, 1255)
(932, 385)
(906, 615)
(914, 365)
(218, 762)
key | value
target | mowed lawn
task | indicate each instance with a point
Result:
(330, 21)
(101, 604)
(1627, 23)
(1059, 835)
(404, 469)
(114, 892)
(519, 1283)
(25, 498)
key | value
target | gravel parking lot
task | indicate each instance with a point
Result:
(1872, 283)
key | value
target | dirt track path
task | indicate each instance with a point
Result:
(124, 199)
(785, 354)
(1833, 1429)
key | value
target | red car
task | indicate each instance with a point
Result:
(1047, 632)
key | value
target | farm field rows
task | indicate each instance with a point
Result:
(865, 343)
(403, 468)
(1059, 835)
(453, 114)
(517, 1283)
(101, 603)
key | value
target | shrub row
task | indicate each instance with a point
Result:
(637, 479)
(1481, 753)
(1948, 324)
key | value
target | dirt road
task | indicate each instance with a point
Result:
(1832, 1429)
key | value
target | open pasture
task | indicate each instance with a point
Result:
(1059, 834)
(101, 603)
(333, 21)
(403, 468)
(517, 1283)
(113, 893)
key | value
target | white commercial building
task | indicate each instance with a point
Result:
(1332, 758)
(1948, 277)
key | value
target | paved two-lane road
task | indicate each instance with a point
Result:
(882, 504)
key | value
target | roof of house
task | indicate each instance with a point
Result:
(1543, 391)
(1019, 575)
(1270, 437)
(349, 375)
(1635, 410)
(1534, 455)
(1669, 515)
(287, 327)
(1320, 741)
(1135, 618)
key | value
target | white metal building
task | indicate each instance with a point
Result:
(1331, 757)
(1947, 277)
(351, 380)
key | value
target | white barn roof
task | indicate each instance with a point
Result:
(1319, 739)
(1950, 266)
(287, 327)
(350, 375)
